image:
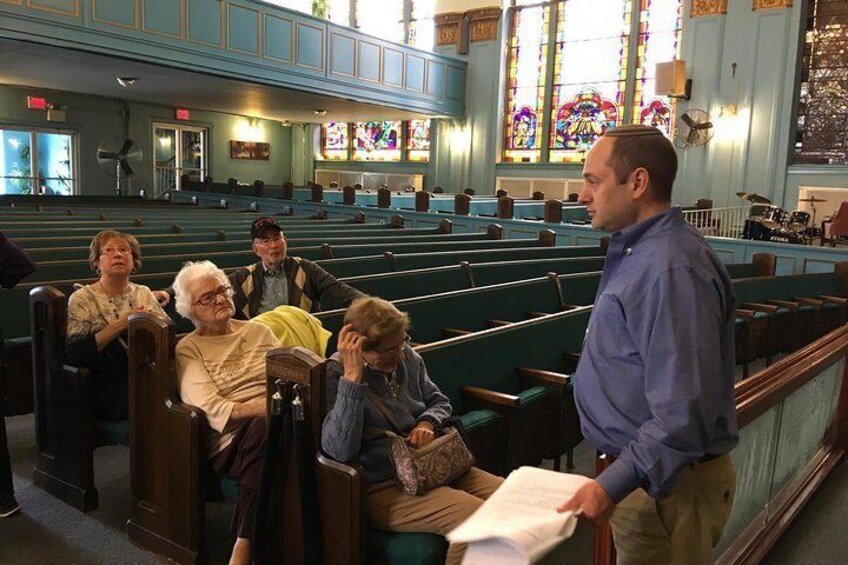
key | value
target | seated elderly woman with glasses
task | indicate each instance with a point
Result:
(374, 374)
(97, 320)
(221, 370)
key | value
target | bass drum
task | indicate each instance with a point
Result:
(785, 236)
(754, 229)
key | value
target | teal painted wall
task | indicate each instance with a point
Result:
(96, 118)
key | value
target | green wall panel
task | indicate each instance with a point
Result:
(455, 83)
(204, 21)
(115, 12)
(392, 67)
(278, 38)
(310, 46)
(369, 61)
(242, 29)
(163, 16)
(64, 7)
(435, 78)
(415, 73)
(342, 55)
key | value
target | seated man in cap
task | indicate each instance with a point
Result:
(278, 280)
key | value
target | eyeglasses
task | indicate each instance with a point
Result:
(209, 298)
(113, 250)
(269, 240)
(386, 351)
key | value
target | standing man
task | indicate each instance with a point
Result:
(15, 264)
(654, 386)
(277, 279)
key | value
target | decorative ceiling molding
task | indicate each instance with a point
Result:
(708, 8)
(769, 4)
(484, 23)
(447, 28)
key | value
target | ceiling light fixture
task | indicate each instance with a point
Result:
(126, 81)
(319, 113)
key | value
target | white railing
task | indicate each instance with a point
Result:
(719, 222)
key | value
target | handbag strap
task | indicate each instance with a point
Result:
(384, 410)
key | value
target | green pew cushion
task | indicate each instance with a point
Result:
(479, 419)
(416, 548)
(532, 394)
(109, 432)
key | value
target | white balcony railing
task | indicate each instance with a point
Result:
(719, 222)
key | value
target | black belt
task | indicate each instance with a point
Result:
(703, 459)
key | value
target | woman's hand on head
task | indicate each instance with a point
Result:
(350, 349)
(422, 434)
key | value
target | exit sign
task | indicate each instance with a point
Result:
(182, 114)
(36, 103)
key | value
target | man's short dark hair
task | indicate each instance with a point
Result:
(644, 146)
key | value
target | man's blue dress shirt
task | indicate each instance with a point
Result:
(654, 386)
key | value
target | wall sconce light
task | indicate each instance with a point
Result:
(319, 113)
(286, 124)
(671, 80)
(126, 81)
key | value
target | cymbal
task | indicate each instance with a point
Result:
(753, 197)
(812, 199)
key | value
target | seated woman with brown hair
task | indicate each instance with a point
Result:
(374, 357)
(97, 320)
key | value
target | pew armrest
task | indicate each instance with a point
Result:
(757, 307)
(792, 305)
(539, 377)
(809, 301)
(742, 313)
(834, 299)
(490, 396)
(341, 497)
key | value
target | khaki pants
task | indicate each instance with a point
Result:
(681, 528)
(438, 511)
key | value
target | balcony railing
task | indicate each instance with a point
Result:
(719, 222)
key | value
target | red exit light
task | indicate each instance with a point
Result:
(36, 103)
(182, 114)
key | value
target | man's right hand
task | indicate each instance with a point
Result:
(162, 297)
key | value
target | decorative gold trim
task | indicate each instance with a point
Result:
(258, 51)
(13, 2)
(333, 55)
(116, 24)
(75, 13)
(379, 78)
(383, 69)
(483, 23)
(707, 8)
(770, 4)
(221, 31)
(265, 17)
(406, 75)
(298, 25)
(447, 28)
(144, 28)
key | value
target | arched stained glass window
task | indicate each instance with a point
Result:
(590, 67)
(376, 141)
(418, 140)
(335, 140)
(528, 52)
(659, 41)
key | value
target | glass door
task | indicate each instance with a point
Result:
(178, 150)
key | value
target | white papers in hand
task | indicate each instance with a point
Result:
(519, 523)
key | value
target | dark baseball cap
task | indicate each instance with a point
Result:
(259, 225)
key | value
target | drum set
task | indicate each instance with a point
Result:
(767, 222)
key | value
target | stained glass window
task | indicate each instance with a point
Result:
(418, 140)
(422, 28)
(659, 41)
(528, 51)
(594, 73)
(376, 141)
(590, 70)
(338, 12)
(822, 130)
(335, 140)
(383, 19)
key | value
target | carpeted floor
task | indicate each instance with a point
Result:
(49, 532)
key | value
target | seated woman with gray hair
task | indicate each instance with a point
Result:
(376, 381)
(221, 370)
